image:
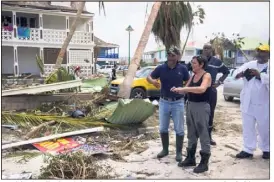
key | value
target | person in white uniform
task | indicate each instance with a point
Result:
(255, 101)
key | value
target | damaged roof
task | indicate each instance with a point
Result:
(43, 5)
(100, 43)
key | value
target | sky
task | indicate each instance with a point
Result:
(250, 19)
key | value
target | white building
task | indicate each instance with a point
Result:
(40, 28)
(193, 48)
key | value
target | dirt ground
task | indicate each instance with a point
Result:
(223, 164)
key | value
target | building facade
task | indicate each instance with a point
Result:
(106, 53)
(192, 48)
(40, 28)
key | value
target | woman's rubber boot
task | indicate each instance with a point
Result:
(165, 144)
(179, 147)
(203, 166)
(190, 159)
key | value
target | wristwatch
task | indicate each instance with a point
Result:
(220, 82)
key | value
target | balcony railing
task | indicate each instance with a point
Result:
(52, 36)
(108, 56)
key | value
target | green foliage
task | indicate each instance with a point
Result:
(171, 18)
(27, 120)
(60, 75)
(221, 42)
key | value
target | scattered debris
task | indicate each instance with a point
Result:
(12, 127)
(91, 149)
(36, 129)
(58, 146)
(231, 147)
(21, 176)
(36, 140)
(74, 166)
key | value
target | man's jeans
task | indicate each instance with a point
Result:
(175, 109)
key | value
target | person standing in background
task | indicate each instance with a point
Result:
(255, 104)
(214, 67)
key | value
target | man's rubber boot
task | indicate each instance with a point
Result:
(203, 166)
(244, 155)
(190, 159)
(212, 142)
(266, 155)
(179, 147)
(165, 144)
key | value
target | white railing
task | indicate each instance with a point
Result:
(54, 36)
(7, 35)
(81, 38)
(51, 36)
(48, 68)
(86, 69)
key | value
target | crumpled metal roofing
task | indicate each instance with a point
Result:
(131, 111)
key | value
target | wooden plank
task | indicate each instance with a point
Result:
(46, 138)
(42, 88)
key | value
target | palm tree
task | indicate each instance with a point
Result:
(125, 87)
(200, 13)
(60, 58)
(172, 17)
(81, 6)
(70, 35)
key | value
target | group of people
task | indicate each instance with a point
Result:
(201, 94)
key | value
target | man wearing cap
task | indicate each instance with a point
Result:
(214, 67)
(255, 103)
(171, 74)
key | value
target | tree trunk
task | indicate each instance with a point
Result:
(187, 37)
(69, 37)
(125, 87)
(96, 54)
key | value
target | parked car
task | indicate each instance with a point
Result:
(232, 87)
(141, 89)
(106, 69)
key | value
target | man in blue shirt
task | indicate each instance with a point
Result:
(214, 67)
(171, 74)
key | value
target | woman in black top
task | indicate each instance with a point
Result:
(197, 114)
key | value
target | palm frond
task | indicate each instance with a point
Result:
(172, 17)
(59, 76)
(102, 7)
(30, 120)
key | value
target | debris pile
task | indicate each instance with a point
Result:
(74, 166)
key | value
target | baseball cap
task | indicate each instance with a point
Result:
(174, 51)
(264, 47)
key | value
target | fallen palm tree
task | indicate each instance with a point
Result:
(116, 115)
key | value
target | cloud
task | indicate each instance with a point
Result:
(250, 19)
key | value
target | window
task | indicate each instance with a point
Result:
(143, 73)
(6, 17)
(32, 22)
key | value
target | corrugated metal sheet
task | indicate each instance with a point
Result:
(131, 111)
